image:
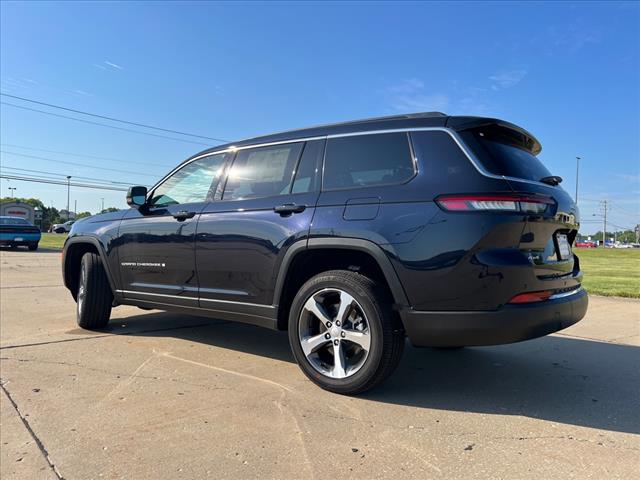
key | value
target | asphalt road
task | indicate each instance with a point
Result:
(161, 395)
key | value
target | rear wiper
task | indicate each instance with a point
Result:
(551, 180)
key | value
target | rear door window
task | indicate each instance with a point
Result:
(504, 152)
(367, 160)
(262, 172)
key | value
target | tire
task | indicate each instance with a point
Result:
(94, 296)
(369, 335)
(33, 246)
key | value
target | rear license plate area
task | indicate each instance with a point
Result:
(563, 246)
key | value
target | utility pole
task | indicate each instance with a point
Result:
(604, 230)
(13, 192)
(577, 172)
(68, 192)
(102, 205)
(75, 209)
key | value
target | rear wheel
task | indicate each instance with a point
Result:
(343, 332)
(94, 296)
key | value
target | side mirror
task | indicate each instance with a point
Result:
(137, 196)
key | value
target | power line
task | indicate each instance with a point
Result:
(84, 155)
(104, 125)
(104, 117)
(99, 180)
(60, 182)
(625, 211)
(75, 163)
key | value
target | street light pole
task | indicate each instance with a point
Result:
(102, 205)
(577, 172)
(13, 192)
(68, 192)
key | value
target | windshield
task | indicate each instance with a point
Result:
(13, 221)
(503, 154)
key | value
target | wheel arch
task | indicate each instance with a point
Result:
(298, 266)
(74, 249)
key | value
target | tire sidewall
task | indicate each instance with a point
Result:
(373, 314)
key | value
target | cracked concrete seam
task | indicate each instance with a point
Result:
(25, 422)
(112, 373)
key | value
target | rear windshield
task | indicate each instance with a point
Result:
(502, 152)
(13, 221)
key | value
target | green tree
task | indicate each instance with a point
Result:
(83, 215)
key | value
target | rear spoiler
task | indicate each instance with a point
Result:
(519, 136)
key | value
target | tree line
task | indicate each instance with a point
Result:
(623, 236)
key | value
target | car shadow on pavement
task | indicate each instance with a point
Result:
(556, 378)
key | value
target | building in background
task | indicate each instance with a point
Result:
(19, 209)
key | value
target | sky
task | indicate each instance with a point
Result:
(569, 72)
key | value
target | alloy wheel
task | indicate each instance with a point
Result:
(82, 287)
(334, 333)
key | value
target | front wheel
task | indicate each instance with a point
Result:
(33, 246)
(94, 296)
(344, 333)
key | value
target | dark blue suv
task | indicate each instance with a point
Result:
(445, 229)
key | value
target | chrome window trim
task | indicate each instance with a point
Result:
(136, 292)
(231, 149)
(452, 133)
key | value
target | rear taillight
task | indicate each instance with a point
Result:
(531, 297)
(529, 204)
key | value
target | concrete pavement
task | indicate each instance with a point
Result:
(160, 395)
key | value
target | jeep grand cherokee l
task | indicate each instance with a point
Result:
(445, 229)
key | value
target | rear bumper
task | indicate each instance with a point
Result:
(512, 323)
(19, 238)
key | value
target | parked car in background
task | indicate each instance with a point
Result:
(62, 227)
(586, 244)
(18, 232)
(448, 230)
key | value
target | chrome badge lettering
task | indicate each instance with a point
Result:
(142, 264)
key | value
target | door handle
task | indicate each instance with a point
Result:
(289, 208)
(183, 215)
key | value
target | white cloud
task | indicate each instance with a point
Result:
(574, 36)
(507, 78)
(113, 65)
(409, 85)
(628, 178)
(410, 96)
